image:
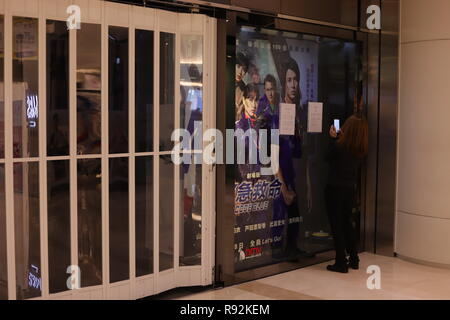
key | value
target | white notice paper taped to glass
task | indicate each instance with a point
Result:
(315, 111)
(287, 119)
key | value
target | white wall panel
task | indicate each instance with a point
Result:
(166, 281)
(25, 8)
(184, 22)
(56, 11)
(190, 23)
(423, 202)
(195, 277)
(2, 6)
(61, 297)
(125, 292)
(119, 292)
(423, 238)
(425, 20)
(167, 21)
(197, 22)
(81, 296)
(145, 287)
(97, 294)
(91, 10)
(424, 149)
(117, 14)
(189, 276)
(114, 293)
(144, 18)
(87, 294)
(149, 286)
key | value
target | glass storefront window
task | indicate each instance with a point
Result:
(191, 114)
(167, 93)
(191, 81)
(89, 85)
(118, 90)
(58, 197)
(166, 212)
(118, 219)
(25, 88)
(57, 88)
(144, 216)
(191, 214)
(144, 91)
(64, 187)
(282, 216)
(65, 182)
(166, 167)
(89, 208)
(27, 230)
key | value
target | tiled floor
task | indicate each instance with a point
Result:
(399, 280)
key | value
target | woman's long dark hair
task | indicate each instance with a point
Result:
(355, 136)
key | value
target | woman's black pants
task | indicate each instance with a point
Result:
(340, 202)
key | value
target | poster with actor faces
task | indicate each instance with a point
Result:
(272, 68)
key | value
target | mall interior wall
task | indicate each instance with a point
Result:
(423, 213)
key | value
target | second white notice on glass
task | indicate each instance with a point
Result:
(315, 111)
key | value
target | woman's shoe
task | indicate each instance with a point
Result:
(338, 268)
(353, 263)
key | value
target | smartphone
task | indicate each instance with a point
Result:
(337, 125)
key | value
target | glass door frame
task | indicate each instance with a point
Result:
(227, 31)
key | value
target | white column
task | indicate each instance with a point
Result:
(423, 202)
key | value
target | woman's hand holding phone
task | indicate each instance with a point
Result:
(333, 132)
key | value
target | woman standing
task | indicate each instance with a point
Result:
(347, 150)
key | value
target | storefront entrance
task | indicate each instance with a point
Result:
(90, 199)
(313, 73)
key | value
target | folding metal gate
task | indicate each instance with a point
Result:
(92, 200)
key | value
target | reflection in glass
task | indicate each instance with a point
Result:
(89, 128)
(191, 214)
(58, 202)
(166, 93)
(191, 81)
(27, 232)
(166, 211)
(90, 221)
(118, 90)
(298, 228)
(144, 216)
(25, 88)
(3, 254)
(2, 89)
(57, 88)
(118, 219)
(144, 91)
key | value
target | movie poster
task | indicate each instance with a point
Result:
(272, 68)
